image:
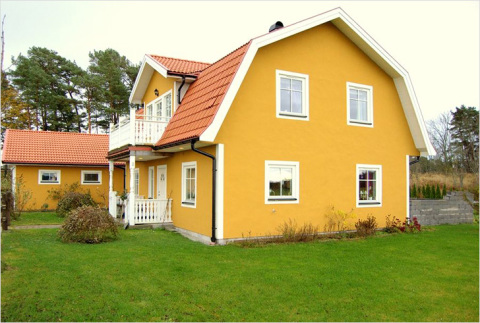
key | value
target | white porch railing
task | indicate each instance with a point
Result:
(146, 130)
(149, 211)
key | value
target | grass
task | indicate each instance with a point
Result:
(156, 275)
(36, 218)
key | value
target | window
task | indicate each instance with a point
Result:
(292, 95)
(369, 185)
(281, 182)
(160, 109)
(151, 174)
(189, 184)
(359, 105)
(48, 176)
(137, 181)
(91, 177)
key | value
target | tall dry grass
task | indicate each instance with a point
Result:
(470, 181)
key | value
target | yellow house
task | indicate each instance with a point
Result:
(47, 160)
(307, 117)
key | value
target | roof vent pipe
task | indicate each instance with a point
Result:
(275, 26)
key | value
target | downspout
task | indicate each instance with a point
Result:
(180, 89)
(417, 159)
(214, 182)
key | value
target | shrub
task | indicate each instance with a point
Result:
(72, 200)
(290, 232)
(409, 226)
(338, 220)
(88, 224)
(366, 227)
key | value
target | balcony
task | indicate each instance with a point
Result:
(138, 129)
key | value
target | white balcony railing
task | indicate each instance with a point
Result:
(138, 129)
(149, 211)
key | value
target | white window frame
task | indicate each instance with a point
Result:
(151, 181)
(152, 107)
(295, 198)
(136, 180)
(98, 172)
(369, 90)
(379, 186)
(305, 96)
(186, 166)
(42, 171)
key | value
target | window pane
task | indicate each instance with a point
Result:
(168, 105)
(362, 111)
(353, 110)
(159, 109)
(297, 85)
(372, 174)
(93, 178)
(297, 102)
(275, 181)
(188, 190)
(362, 95)
(285, 101)
(286, 174)
(285, 83)
(192, 172)
(372, 190)
(353, 94)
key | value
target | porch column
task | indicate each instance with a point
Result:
(112, 196)
(133, 126)
(110, 169)
(131, 194)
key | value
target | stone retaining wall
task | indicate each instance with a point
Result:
(453, 209)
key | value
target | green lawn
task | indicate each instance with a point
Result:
(155, 275)
(34, 218)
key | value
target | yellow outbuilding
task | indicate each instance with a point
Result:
(43, 162)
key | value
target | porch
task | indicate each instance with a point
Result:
(134, 210)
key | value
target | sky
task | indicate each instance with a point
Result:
(437, 42)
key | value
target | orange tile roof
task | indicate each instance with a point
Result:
(202, 100)
(55, 148)
(181, 66)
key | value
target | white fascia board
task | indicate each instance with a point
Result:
(361, 39)
(149, 65)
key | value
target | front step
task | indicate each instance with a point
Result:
(166, 226)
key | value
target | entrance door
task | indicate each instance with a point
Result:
(162, 182)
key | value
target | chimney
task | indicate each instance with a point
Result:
(275, 26)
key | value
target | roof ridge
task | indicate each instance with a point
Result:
(58, 132)
(180, 59)
(233, 51)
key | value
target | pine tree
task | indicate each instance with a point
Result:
(428, 192)
(444, 191)
(414, 191)
(438, 193)
(46, 82)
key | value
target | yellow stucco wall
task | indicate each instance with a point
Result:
(161, 84)
(196, 219)
(326, 148)
(68, 175)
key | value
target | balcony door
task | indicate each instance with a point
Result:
(162, 182)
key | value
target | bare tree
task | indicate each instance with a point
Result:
(441, 138)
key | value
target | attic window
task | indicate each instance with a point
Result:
(292, 95)
(359, 105)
